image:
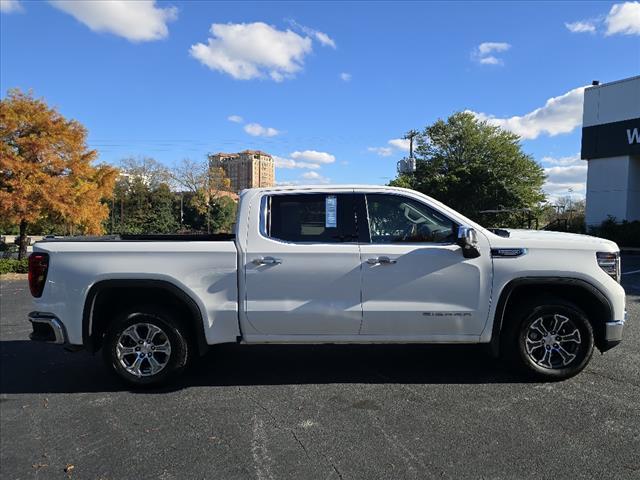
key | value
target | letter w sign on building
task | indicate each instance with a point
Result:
(611, 139)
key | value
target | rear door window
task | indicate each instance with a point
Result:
(311, 218)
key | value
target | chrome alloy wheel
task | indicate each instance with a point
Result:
(552, 341)
(143, 349)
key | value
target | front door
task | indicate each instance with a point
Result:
(416, 283)
(303, 270)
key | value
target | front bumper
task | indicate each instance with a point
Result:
(613, 333)
(47, 328)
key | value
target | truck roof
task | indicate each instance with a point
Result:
(323, 187)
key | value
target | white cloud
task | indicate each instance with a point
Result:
(623, 19)
(563, 161)
(314, 176)
(138, 21)
(324, 39)
(382, 151)
(556, 191)
(568, 174)
(490, 60)
(254, 129)
(565, 176)
(313, 156)
(485, 52)
(257, 130)
(490, 47)
(282, 162)
(558, 115)
(253, 50)
(581, 26)
(400, 144)
(10, 6)
(345, 77)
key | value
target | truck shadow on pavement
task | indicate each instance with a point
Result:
(27, 367)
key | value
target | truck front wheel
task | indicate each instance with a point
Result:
(145, 346)
(549, 338)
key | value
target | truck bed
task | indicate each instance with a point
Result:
(209, 237)
(204, 267)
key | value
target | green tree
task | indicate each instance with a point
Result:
(473, 166)
(139, 208)
(222, 214)
(218, 217)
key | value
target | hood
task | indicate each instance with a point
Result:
(567, 240)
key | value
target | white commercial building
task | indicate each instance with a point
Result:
(611, 145)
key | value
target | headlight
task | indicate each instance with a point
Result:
(610, 263)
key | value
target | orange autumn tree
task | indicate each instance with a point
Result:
(46, 169)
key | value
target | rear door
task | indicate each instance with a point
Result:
(416, 284)
(303, 269)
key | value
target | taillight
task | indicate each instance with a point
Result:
(38, 266)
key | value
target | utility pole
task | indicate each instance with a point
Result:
(409, 136)
(408, 165)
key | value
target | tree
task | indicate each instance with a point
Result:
(473, 166)
(142, 209)
(46, 169)
(206, 186)
(152, 172)
(565, 214)
(222, 214)
(190, 175)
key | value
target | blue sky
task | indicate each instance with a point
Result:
(325, 87)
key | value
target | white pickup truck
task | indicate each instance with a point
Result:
(342, 264)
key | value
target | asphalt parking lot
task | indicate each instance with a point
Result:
(330, 412)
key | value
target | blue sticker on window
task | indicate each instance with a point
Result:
(331, 211)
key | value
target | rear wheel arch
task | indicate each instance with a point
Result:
(107, 298)
(583, 294)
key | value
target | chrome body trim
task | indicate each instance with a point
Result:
(508, 252)
(54, 323)
(613, 331)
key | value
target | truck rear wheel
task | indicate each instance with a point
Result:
(549, 338)
(145, 346)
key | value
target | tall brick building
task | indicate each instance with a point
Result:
(247, 169)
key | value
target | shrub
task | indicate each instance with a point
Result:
(10, 265)
(625, 234)
(7, 250)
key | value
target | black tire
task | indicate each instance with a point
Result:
(531, 344)
(138, 321)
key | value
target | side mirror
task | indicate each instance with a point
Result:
(468, 241)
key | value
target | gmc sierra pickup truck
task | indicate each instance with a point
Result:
(343, 264)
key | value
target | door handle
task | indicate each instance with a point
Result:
(384, 260)
(267, 261)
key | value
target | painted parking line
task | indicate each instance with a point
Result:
(631, 272)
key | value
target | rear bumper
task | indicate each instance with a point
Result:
(47, 328)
